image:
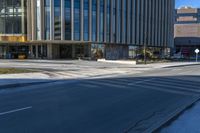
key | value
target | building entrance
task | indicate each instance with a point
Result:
(66, 51)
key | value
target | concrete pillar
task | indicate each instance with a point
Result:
(72, 20)
(49, 51)
(62, 19)
(29, 22)
(51, 19)
(33, 19)
(42, 23)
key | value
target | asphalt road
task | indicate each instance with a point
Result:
(134, 104)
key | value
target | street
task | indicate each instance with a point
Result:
(137, 103)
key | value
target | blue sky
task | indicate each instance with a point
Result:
(193, 3)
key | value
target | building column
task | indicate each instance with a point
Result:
(127, 38)
(72, 20)
(98, 18)
(51, 19)
(105, 21)
(81, 19)
(90, 20)
(117, 22)
(29, 21)
(49, 51)
(33, 19)
(122, 22)
(42, 19)
(62, 19)
(36, 49)
(111, 21)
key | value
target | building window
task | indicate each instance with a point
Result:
(38, 20)
(101, 21)
(124, 31)
(114, 21)
(47, 19)
(57, 19)
(119, 36)
(77, 20)
(94, 20)
(108, 21)
(86, 20)
(68, 19)
(11, 15)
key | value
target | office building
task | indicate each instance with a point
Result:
(61, 29)
(187, 31)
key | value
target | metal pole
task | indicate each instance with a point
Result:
(145, 58)
(145, 45)
(196, 57)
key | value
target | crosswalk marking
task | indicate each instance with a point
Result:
(169, 85)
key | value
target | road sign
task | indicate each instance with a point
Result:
(197, 52)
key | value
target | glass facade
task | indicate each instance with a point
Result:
(94, 20)
(12, 13)
(47, 19)
(108, 21)
(77, 20)
(98, 21)
(119, 12)
(86, 21)
(57, 19)
(101, 21)
(114, 35)
(38, 20)
(68, 19)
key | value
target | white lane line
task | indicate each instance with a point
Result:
(139, 82)
(15, 110)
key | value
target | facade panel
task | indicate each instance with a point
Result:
(81, 24)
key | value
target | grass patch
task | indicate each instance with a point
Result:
(13, 71)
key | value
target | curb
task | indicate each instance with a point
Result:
(16, 85)
(178, 112)
(181, 65)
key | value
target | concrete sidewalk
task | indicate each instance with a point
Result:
(75, 70)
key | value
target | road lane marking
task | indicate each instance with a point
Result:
(139, 82)
(15, 110)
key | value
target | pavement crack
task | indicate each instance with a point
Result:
(137, 126)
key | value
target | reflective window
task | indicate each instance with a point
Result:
(101, 21)
(11, 15)
(38, 20)
(57, 20)
(119, 20)
(47, 19)
(108, 21)
(125, 21)
(86, 20)
(77, 20)
(114, 22)
(68, 19)
(94, 20)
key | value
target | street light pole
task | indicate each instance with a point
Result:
(145, 48)
(145, 56)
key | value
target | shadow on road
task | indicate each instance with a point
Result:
(107, 105)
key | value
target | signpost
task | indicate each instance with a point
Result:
(197, 52)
